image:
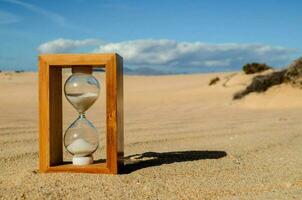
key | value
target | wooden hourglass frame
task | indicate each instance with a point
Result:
(50, 111)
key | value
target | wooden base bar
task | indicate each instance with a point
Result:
(69, 167)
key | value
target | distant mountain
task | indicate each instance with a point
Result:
(98, 69)
(138, 71)
(144, 71)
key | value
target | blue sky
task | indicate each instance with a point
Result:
(174, 36)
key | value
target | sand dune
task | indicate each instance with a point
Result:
(183, 140)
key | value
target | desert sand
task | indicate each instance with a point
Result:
(183, 140)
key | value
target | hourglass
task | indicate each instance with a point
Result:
(81, 138)
(81, 89)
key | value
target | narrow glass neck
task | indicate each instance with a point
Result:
(82, 115)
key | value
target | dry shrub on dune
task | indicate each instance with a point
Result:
(291, 75)
(252, 68)
(261, 83)
(213, 81)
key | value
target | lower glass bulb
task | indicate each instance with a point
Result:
(81, 140)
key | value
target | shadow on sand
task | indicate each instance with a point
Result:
(151, 159)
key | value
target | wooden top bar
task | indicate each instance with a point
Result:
(67, 60)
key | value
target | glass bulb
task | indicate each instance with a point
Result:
(81, 90)
(81, 139)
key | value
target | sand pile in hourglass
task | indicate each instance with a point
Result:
(80, 147)
(82, 101)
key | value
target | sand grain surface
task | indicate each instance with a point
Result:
(183, 140)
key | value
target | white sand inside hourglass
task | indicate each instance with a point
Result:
(82, 101)
(80, 147)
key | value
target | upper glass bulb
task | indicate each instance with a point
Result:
(81, 89)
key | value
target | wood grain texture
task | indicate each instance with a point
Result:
(92, 168)
(50, 104)
(43, 115)
(67, 60)
(120, 112)
(55, 116)
(111, 120)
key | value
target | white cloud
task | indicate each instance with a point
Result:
(171, 55)
(65, 45)
(8, 18)
(194, 54)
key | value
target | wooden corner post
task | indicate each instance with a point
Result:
(50, 111)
